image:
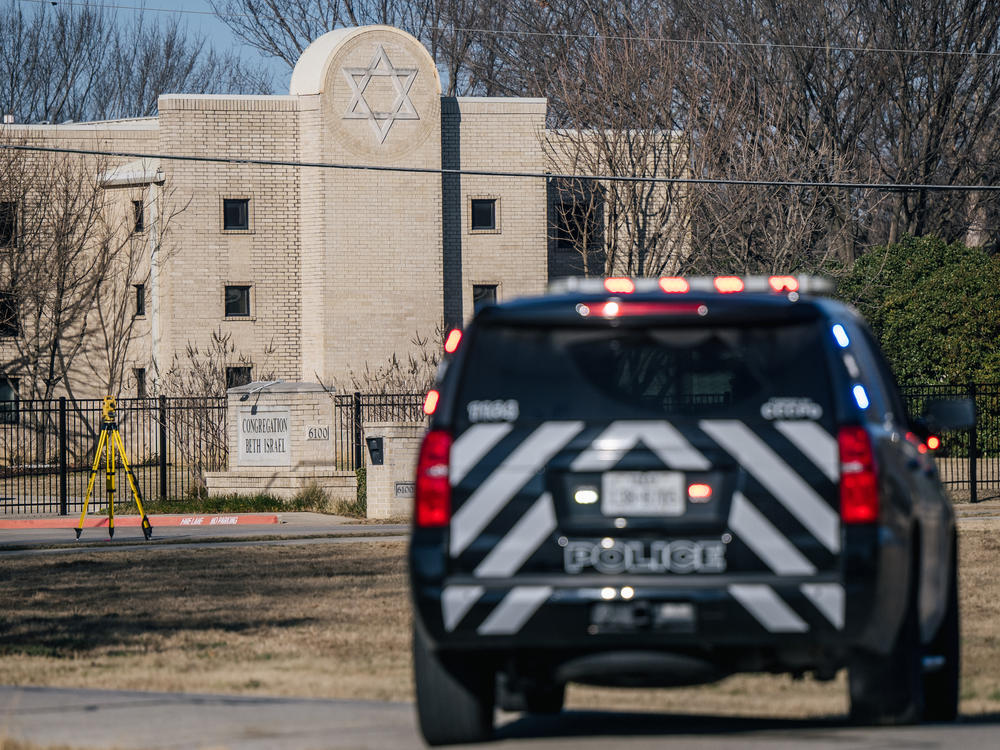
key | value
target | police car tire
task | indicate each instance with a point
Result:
(941, 687)
(548, 699)
(888, 688)
(454, 703)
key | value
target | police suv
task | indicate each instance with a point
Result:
(656, 482)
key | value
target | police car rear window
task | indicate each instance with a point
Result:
(745, 372)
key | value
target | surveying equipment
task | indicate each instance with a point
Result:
(109, 444)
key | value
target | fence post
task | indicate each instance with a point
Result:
(359, 456)
(163, 447)
(63, 489)
(973, 450)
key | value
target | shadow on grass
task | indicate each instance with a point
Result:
(129, 600)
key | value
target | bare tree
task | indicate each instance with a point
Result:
(414, 374)
(452, 30)
(82, 62)
(203, 370)
(60, 255)
(143, 215)
(629, 116)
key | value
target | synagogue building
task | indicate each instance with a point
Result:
(289, 230)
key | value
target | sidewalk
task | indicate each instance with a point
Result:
(193, 519)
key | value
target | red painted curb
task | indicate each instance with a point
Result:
(242, 519)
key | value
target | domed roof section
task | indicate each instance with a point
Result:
(311, 70)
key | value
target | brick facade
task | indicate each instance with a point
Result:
(345, 266)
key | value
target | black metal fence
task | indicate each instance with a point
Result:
(351, 412)
(968, 460)
(47, 449)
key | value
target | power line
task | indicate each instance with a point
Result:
(563, 35)
(444, 172)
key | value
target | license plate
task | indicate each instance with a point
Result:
(642, 493)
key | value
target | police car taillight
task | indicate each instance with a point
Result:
(858, 479)
(432, 500)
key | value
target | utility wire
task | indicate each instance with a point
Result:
(444, 172)
(563, 35)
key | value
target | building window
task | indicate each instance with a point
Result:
(9, 324)
(484, 214)
(483, 295)
(138, 217)
(8, 223)
(8, 401)
(140, 299)
(237, 376)
(236, 214)
(140, 382)
(237, 301)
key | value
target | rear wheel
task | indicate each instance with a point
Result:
(889, 688)
(454, 699)
(942, 665)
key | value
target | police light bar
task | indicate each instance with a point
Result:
(675, 285)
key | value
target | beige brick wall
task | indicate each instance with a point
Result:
(346, 266)
(502, 135)
(401, 447)
(203, 258)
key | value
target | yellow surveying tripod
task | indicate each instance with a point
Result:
(108, 445)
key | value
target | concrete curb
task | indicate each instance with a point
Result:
(236, 519)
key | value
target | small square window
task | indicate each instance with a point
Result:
(9, 324)
(483, 295)
(8, 401)
(237, 302)
(237, 376)
(8, 223)
(138, 217)
(484, 215)
(140, 382)
(140, 299)
(236, 214)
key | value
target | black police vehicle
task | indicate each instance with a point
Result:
(655, 482)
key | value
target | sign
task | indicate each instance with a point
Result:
(405, 489)
(262, 436)
(317, 432)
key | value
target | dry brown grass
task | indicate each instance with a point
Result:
(333, 621)
(323, 620)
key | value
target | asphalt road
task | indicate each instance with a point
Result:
(134, 720)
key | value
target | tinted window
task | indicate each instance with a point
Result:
(237, 301)
(236, 214)
(484, 214)
(576, 373)
(237, 376)
(8, 401)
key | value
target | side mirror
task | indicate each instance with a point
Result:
(950, 414)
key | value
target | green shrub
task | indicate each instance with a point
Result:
(934, 307)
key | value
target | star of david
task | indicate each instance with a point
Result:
(401, 78)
